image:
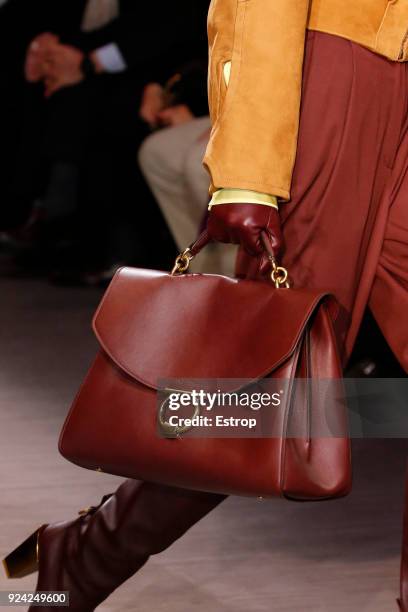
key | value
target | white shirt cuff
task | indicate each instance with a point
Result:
(111, 58)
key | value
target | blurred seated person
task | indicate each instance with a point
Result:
(75, 42)
(171, 161)
(16, 30)
(86, 76)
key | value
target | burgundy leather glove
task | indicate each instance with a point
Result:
(244, 224)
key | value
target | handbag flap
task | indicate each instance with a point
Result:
(155, 326)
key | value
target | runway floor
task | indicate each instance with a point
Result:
(247, 556)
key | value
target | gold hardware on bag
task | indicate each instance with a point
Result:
(182, 262)
(279, 275)
(173, 431)
(85, 511)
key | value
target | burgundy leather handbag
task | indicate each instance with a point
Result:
(152, 325)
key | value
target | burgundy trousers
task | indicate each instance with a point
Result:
(346, 226)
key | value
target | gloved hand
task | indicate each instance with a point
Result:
(244, 224)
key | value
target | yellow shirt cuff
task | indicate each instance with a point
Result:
(242, 196)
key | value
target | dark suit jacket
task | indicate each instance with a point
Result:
(175, 30)
(153, 38)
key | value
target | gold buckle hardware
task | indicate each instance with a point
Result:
(173, 431)
(182, 262)
(86, 511)
(279, 275)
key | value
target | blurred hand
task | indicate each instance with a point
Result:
(244, 224)
(175, 115)
(63, 68)
(35, 62)
(152, 103)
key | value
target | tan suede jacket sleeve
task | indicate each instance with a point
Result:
(255, 118)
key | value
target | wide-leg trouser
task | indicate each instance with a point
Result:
(346, 226)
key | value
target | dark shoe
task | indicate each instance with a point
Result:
(94, 554)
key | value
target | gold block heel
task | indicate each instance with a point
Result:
(24, 559)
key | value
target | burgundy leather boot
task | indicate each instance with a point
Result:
(94, 554)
